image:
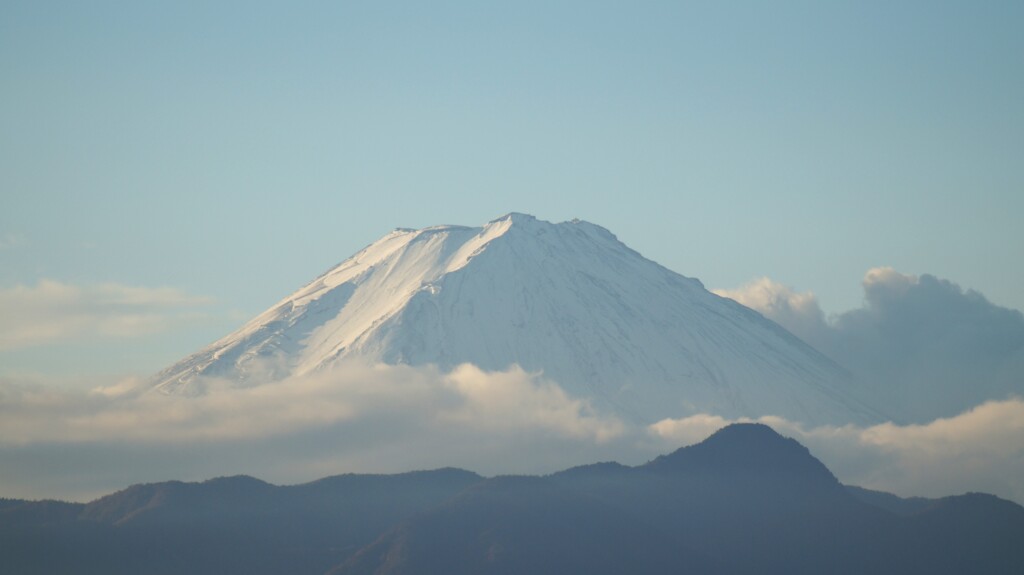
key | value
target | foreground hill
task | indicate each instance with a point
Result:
(745, 500)
(221, 526)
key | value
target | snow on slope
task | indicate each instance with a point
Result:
(567, 299)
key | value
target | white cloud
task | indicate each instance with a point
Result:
(689, 430)
(516, 400)
(467, 397)
(922, 347)
(354, 418)
(52, 311)
(799, 312)
(888, 279)
(378, 418)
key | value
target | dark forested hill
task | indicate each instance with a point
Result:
(222, 526)
(745, 500)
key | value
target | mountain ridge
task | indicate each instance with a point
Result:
(724, 511)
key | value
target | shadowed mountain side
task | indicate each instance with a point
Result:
(746, 448)
(511, 525)
(225, 525)
(175, 501)
(753, 500)
(740, 470)
(905, 506)
(975, 533)
(745, 500)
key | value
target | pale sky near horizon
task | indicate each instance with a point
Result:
(181, 166)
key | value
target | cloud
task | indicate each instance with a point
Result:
(52, 311)
(515, 400)
(981, 449)
(379, 418)
(11, 240)
(923, 347)
(798, 312)
(356, 417)
(463, 398)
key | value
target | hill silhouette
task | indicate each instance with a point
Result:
(745, 500)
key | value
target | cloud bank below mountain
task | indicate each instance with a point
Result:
(378, 418)
(356, 417)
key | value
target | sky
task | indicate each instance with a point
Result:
(171, 169)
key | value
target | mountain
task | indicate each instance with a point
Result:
(221, 526)
(566, 299)
(748, 450)
(524, 525)
(745, 500)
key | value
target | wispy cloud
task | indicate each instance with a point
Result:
(922, 346)
(52, 311)
(11, 240)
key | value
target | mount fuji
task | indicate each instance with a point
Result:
(568, 300)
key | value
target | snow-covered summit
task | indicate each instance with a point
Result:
(568, 299)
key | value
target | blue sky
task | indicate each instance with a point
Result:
(216, 156)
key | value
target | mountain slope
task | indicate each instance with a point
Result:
(524, 525)
(566, 299)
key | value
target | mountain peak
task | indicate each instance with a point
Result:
(746, 449)
(746, 433)
(570, 300)
(515, 217)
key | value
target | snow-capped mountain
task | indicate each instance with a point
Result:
(567, 299)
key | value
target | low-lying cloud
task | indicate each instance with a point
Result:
(52, 311)
(923, 348)
(354, 418)
(466, 397)
(379, 418)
